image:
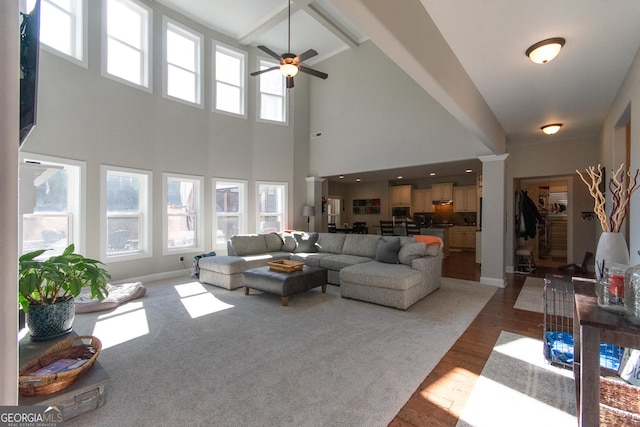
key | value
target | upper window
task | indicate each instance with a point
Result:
(126, 42)
(62, 27)
(230, 80)
(183, 213)
(126, 213)
(183, 63)
(51, 201)
(273, 100)
(230, 207)
(272, 206)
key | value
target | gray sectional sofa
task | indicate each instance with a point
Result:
(391, 271)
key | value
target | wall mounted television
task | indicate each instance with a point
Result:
(29, 58)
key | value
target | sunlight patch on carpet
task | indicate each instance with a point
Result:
(198, 301)
(125, 323)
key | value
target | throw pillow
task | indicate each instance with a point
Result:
(410, 251)
(387, 251)
(289, 242)
(305, 242)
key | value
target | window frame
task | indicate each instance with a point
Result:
(243, 209)
(146, 41)
(267, 63)
(169, 24)
(198, 182)
(76, 198)
(243, 56)
(285, 194)
(145, 234)
(78, 30)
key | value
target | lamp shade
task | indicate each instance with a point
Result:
(545, 50)
(308, 210)
(288, 70)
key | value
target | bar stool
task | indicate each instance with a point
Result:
(525, 260)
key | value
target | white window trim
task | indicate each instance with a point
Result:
(191, 34)
(259, 100)
(242, 222)
(79, 201)
(148, 61)
(147, 229)
(214, 81)
(83, 27)
(199, 181)
(285, 215)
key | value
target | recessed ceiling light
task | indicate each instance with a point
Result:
(357, 179)
(432, 174)
(552, 128)
(545, 50)
(399, 177)
(468, 170)
(341, 177)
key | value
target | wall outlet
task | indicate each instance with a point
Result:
(181, 259)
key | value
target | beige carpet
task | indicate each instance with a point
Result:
(518, 388)
(531, 297)
(195, 355)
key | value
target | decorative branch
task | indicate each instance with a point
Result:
(621, 190)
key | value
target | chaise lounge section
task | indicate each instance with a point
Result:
(391, 271)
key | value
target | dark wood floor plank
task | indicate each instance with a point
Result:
(441, 397)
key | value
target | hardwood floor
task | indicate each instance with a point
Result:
(442, 395)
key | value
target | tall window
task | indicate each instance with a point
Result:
(230, 80)
(62, 27)
(183, 63)
(51, 202)
(273, 101)
(230, 206)
(127, 42)
(272, 206)
(126, 213)
(183, 216)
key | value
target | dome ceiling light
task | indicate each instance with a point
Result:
(545, 50)
(552, 128)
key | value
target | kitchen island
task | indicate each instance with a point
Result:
(440, 231)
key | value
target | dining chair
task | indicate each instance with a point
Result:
(331, 227)
(386, 228)
(360, 227)
(412, 228)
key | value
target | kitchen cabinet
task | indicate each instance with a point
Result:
(422, 200)
(443, 191)
(400, 195)
(465, 199)
(461, 236)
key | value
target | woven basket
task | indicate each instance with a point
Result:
(619, 403)
(83, 347)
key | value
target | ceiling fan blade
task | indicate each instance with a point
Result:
(306, 55)
(289, 82)
(313, 72)
(270, 52)
(255, 73)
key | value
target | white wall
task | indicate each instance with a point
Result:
(85, 116)
(373, 116)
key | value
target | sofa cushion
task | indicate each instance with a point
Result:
(387, 251)
(249, 244)
(380, 275)
(364, 245)
(331, 242)
(223, 264)
(410, 251)
(312, 259)
(289, 244)
(338, 262)
(305, 242)
(273, 242)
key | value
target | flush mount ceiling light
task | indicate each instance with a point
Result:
(551, 129)
(545, 50)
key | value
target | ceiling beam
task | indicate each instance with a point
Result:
(272, 21)
(336, 29)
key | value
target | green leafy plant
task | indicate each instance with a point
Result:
(59, 278)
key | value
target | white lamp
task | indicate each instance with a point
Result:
(545, 50)
(308, 211)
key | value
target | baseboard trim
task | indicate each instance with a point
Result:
(156, 276)
(501, 283)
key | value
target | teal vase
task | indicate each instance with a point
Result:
(50, 321)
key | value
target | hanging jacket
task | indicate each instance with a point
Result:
(527, 216)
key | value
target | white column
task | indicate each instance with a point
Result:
(494, 227)
(9, 119)
(314, 198)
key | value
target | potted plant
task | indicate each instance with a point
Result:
(47, 289)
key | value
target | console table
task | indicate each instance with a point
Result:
(592, 325)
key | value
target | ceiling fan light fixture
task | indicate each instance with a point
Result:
(545, 50)
(288, 70)
(552, 128)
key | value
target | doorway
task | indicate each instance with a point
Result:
(333, 210)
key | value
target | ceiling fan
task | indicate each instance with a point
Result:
(290, 62)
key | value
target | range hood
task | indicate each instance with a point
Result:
(442, 202)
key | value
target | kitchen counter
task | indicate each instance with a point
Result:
(442, 233)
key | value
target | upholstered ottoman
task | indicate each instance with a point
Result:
(283, 283)
(223, 271)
